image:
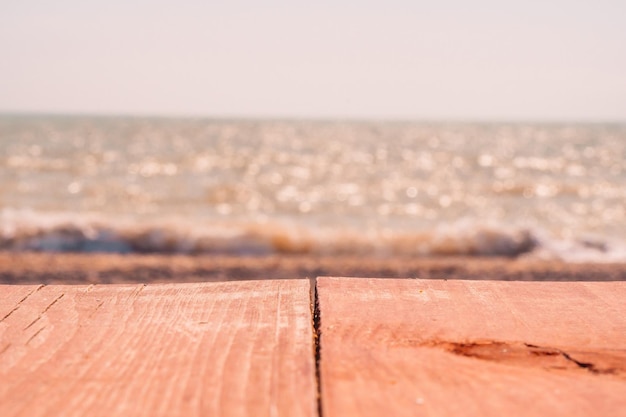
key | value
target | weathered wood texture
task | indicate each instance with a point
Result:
(472, 348)
(239, 348)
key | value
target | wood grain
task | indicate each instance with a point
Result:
(472, 348)
(238, 348)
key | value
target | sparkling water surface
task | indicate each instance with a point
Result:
(399, 183)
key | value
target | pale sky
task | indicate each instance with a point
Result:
(393, 59)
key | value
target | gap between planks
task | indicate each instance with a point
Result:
(317, 350)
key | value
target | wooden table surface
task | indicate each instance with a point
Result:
(329, 347)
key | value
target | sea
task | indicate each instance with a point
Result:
(203, 186)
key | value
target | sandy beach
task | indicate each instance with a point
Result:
(53, 268)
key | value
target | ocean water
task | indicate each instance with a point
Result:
(245, 187)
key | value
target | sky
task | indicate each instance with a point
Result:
(398, 59)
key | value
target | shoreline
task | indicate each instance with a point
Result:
(95, 268)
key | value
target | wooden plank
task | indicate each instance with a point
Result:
(472, 348)
(238, 348)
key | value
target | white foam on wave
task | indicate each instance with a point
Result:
(581, 250)
(24, 230)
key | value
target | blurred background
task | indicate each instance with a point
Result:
(395, 129)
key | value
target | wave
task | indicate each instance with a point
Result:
(23, 230)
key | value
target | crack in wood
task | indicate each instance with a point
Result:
(34, 335)
(583, 365)
(44, 311)
(517, 353)
(20, 303)
(100, 304)
(133, 296)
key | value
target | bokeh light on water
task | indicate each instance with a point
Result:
(364, 178)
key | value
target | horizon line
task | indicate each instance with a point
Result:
(311, 118)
